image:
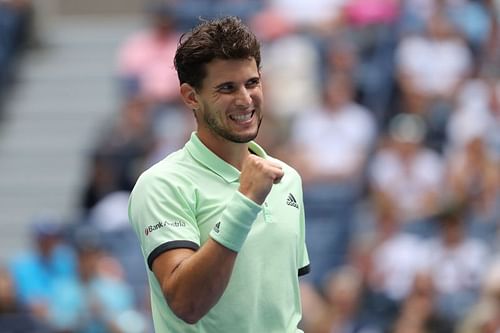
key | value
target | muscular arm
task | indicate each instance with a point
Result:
(193, 282)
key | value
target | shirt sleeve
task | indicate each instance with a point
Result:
(163, 216)
(303, 256)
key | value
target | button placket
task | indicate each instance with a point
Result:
(268, 216)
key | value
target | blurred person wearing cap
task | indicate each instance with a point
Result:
(36, 270)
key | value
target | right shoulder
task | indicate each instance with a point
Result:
(168, 183)
(171, 168)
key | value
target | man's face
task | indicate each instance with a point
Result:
(230, 101)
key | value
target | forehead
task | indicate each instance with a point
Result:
(221, 70)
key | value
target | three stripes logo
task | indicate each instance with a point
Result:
(290, 201)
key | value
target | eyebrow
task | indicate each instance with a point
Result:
(232, 82)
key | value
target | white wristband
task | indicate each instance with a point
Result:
(235, 222)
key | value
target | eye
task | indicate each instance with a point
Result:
(253, 82)
(225, 88)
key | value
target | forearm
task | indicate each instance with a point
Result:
(198, 282)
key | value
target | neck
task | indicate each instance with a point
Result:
(231, 152)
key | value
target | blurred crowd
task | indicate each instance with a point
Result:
(390, 111)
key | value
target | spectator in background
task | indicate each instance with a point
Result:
(121, 153)
(37, 271)
(388, 259)
(430, 68)
(109, 217)
(299, 74)
(171, 127)
(473, 165)
(333, 141)
(472, 19)
(476, 114)
(341, 310)
(371, 24)
(14, 317)
(484, 317)
(474, 177)
(418, 311)
(146, 71)
(406, 172)
(342, 56)
(315, 17)
(97, 299)
(330, 146)
(456, 262)
(145, 59)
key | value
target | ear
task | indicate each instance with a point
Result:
(189, 96)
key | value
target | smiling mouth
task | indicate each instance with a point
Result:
(241, 118)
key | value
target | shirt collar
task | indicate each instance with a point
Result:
(205, 156)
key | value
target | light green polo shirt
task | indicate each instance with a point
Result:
(177, 202)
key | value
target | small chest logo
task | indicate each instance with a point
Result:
(291, 201)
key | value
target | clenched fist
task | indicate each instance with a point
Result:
(258, 176)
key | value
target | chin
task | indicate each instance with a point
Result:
(242, 137)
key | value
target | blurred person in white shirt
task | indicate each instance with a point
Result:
(407, 172)
(330, 145)
(430, 67)
(456, 262)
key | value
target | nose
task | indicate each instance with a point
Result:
(243, 98)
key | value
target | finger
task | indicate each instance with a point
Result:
(274, 164)
(278, 176)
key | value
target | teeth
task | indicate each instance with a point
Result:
(241, 117)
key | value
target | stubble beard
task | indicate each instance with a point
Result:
(217, 129)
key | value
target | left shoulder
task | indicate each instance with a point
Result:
(289, 170)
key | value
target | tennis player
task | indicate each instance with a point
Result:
(220, 222)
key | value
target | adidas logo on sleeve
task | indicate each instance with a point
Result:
(290, 201)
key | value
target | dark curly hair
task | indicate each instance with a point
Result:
(224, 38)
